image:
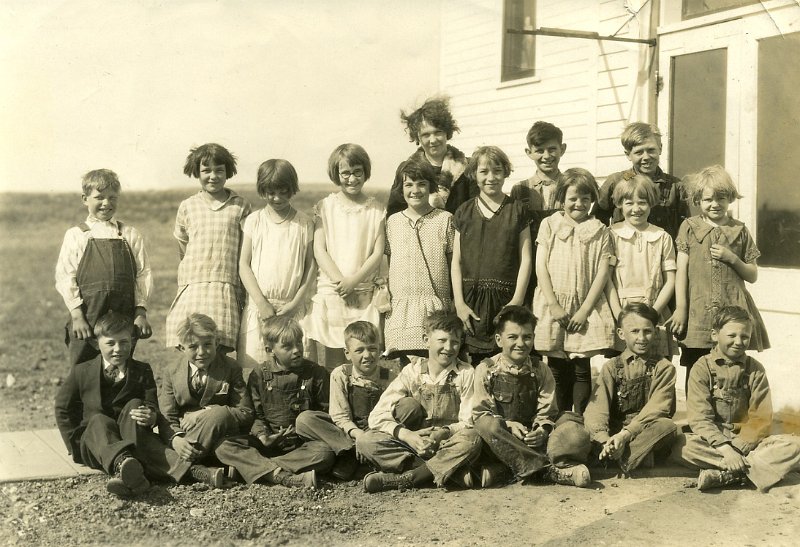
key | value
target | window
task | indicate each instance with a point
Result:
(698, 8)
(778, 193)
(518, 49)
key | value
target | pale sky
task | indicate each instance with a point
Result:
(133, 85)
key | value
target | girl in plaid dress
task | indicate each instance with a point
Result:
(574, 319)
(209, 234)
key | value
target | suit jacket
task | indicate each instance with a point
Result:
(224, 387)
(80, 397)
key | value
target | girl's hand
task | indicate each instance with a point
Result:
(142, 328)
(287, 309)
(577, 321)
(265, 310)
(722, 253)
(346, 286)
(559, 314)
(514, 302)
(465, 313)
(677, 323)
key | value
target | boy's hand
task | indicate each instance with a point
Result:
(439, 434)
(265, 310)
(80, 327)
(356, 433)
(723, 254)
(465, 313)
(142, 328)
(536, 437)
(517, 429)
(276, 440)
(615, 446)
(144, 416)
(559, 315)
(418, 441)
(577, 321)
(731, 460)
(185, 449)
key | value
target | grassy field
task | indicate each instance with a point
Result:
(32, 313)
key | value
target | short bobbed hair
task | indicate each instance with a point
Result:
(417, 168)
(435, 111)
(638, 132)
(209, 153)
(514, 314)
(638, 186)
(100, 180)
(493, 155)
(355, 156)
(196, 324)
(363, 331)
(281, 330)
(730, 314)
(276, 175)
(581, 179)
(714, 177)
(113, 323)
(542, 132)
(445, 321)
(641, 309)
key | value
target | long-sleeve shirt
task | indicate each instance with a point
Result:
(73, 247)
(660, 396)
(340, 411)
(407, 385)
(485, 404)
(729, 402)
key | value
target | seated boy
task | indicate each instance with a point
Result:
(730, 412)
(106, 409)
(515, 411)
(282, 389)
(102, 266)
(545, 148)
(628, 416)
(642, 144)
(355, 390)
(420, 430)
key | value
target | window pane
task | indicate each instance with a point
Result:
(696, 8)
(778, 192)
(697, 136)
(518, 49)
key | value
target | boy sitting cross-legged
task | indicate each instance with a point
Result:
(420, 430)
(355, 390)
(730, 412)
(628, 416)
(515, 411)
(107, 408)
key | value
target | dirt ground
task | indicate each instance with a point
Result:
(637, 511)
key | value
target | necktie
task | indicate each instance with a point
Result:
(198, 381)
(111, 372)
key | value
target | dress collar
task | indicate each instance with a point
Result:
(701, 228)
(625, 231)
(586, 230)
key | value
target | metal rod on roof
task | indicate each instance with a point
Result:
(586, 35)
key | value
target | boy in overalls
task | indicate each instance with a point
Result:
(730, 412)
(515, 411)
(629, 413)
(356, 388)
(102, 267)
(282, 388)
(421, 429)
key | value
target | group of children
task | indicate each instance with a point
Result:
(459, 275)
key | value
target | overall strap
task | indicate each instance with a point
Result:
(84, 227)
(119, 229)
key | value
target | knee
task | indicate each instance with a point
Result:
(570, 442)
(488, 426)
(367, 443)
(133, 403)
(305, 421)
(99, 419)
(409, 412)
(465, 440)
(218, 417)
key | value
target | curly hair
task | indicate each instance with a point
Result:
(714, 177)
(435, 111)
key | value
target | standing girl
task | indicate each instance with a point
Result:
(644, 267)
(419, 244)
(348, 246)
(277, 260)
(209, 234)
(716, 255)
(491, 252)
(572, 262)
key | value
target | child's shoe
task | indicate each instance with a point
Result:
(463, 478)
(716, 478)
(577, 475)
(128, 478)
(301, 480)
(345, 466)
(493, 474)
(381, 482)
(212, 476)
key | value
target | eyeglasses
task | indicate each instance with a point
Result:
(357, 173)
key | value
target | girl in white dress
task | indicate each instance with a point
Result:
(348, 246)
(277, 259)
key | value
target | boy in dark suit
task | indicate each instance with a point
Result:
(106, 409)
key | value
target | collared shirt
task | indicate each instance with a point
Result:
(538, 191)
(73, 247)
(406, 385)
(121, 371)
(729, 402)
(340, 411)
(660, 398)
(202, 374)
(484, 403)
